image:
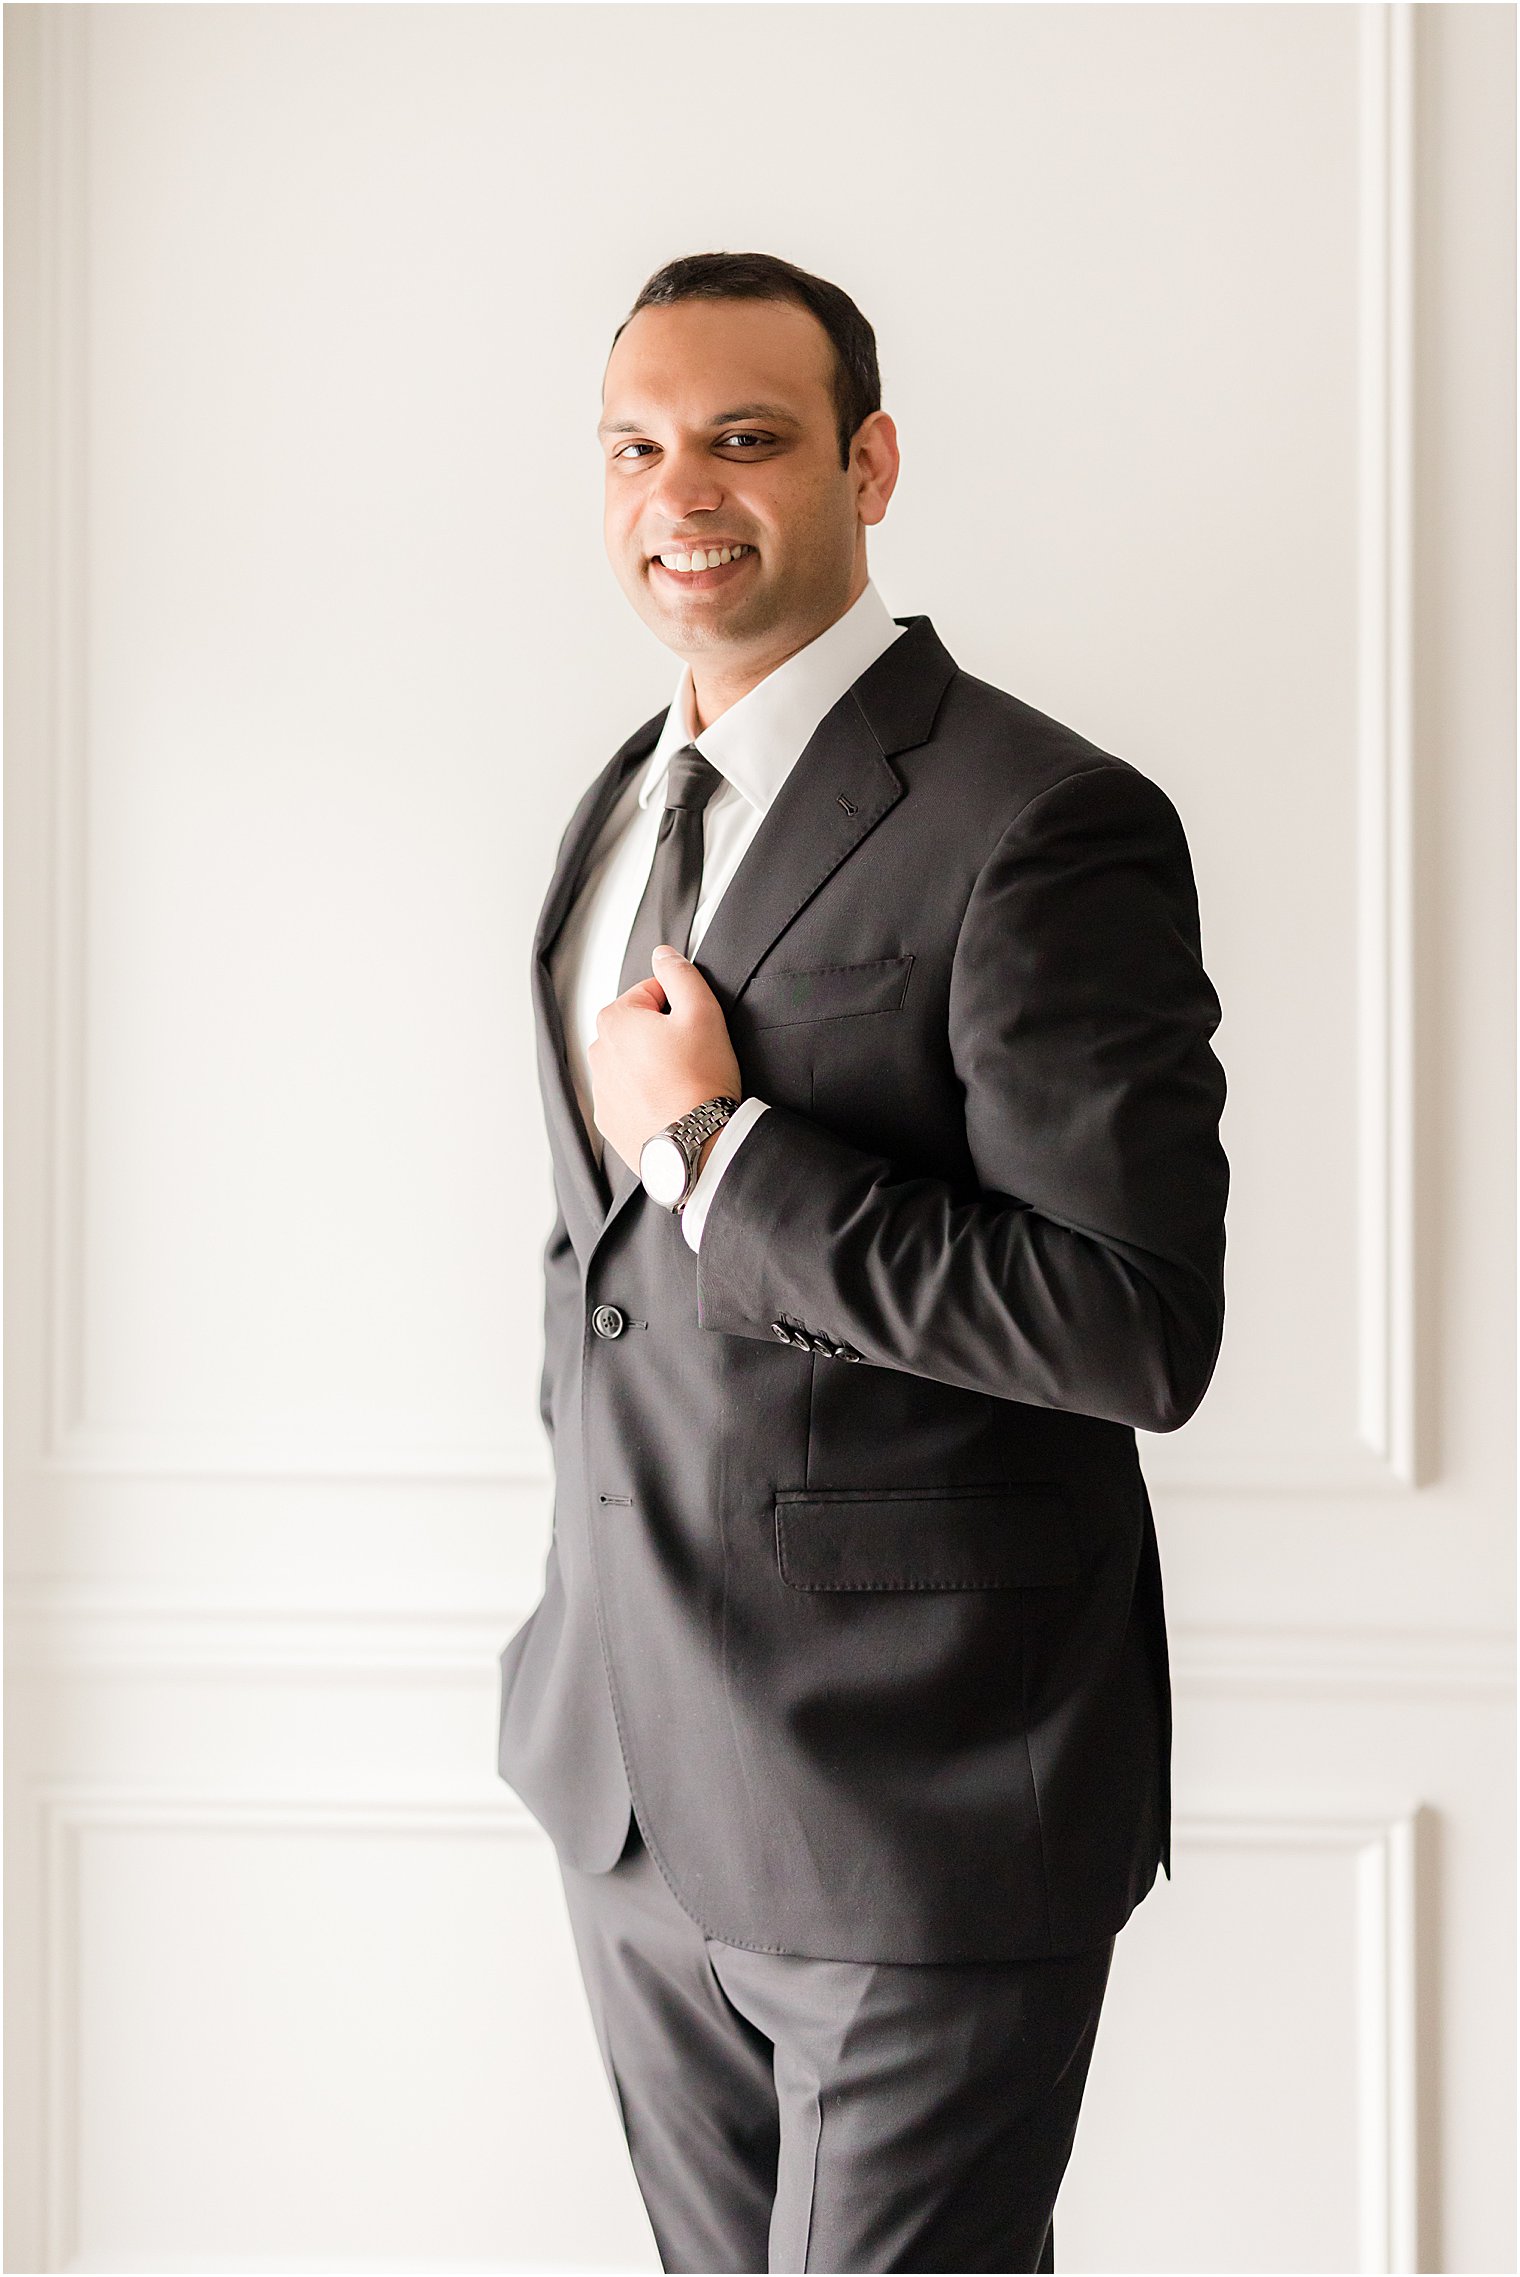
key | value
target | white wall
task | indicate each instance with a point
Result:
(1197, 323)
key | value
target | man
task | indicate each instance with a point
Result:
(874, 1042)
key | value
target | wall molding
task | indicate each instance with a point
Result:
(1379, 1451)
(1380, 1846)
(70, 1814)
(72, 1630)
(1387, 1406)
(1294, 1662)
(520, 1459)
(63, 189)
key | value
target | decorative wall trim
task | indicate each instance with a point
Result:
(63, 414)
(1177, 1467)
(1387, 1406)
(220, 1640)
(1381, 1848)
(96, 1629)
(68, 1814)
(1349, 1664)
(1379, 1845)
(1379, 1451)
(1384, 1454)
(521, 1460)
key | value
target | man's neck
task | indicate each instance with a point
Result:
(717, 685)
(718, 691)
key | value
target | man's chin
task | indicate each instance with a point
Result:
(697, 627)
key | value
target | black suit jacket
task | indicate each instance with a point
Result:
(853, 1581)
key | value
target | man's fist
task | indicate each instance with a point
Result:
(649, 1064)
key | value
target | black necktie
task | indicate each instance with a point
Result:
(675, 876)
(670, 896)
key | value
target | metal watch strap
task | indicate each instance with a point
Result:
(692, 1129)
(701, 1122)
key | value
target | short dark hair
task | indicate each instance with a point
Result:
(764, 276)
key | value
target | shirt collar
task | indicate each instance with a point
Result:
(756, 743)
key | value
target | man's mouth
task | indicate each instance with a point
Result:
(703, 567)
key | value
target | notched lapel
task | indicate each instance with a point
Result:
(582, 829)
(838, 791)
(579, 1179)
(840, 788)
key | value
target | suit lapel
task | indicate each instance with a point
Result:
(579, 1178)
(838, 791)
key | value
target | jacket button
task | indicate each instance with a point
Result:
(802, 1340)
(778, 1328)
(848, 1352)
(607, 1321)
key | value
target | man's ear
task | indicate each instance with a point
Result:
(876, 459)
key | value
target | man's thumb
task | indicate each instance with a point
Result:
(678, 976)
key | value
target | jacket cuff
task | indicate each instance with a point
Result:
(725, 1146)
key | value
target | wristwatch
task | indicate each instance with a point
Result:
(668, 1160)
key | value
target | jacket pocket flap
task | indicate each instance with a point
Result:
(1017, 1536)
(774, 997)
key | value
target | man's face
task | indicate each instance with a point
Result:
(718, 430)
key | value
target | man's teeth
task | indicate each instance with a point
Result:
(685, 563)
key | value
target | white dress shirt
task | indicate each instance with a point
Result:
(754, 745)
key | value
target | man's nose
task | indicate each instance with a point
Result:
(687, 483)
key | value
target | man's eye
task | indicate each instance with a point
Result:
(739, 435)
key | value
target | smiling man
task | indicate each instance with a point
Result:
(874, 1039)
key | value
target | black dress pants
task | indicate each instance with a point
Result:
(784, 2113)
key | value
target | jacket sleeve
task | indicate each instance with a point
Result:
(1087, 1271)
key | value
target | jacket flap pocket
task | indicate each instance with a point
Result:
(1017, 1536)
(775, 998)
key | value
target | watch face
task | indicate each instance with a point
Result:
(662, 1166)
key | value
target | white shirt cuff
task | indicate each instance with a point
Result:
(725, 1146)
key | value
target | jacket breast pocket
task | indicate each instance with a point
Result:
(780, 998)
(1015, 1536)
